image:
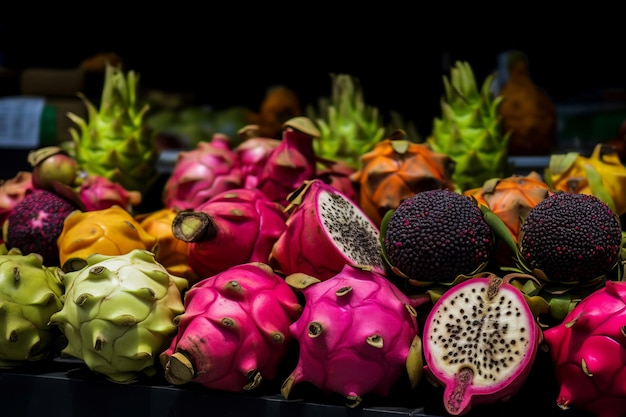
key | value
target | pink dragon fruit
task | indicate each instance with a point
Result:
(231, 228)
(234, 333)
(292, 162)
(480, 342)
(325, 231)
(358, 335)
(201, 173)
(252, 154)
(98, 193)
(588, 352)
(12, 191)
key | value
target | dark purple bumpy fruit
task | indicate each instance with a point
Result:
(570, 237)
(437, 235)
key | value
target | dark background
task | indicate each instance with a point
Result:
(229, 54)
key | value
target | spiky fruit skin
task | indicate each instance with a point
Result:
(570, 238)
(29, 294)
(480, 340)
(601, 174)
(394, 170)
(348, 126)
(234, 333)
(357, 335)
(170, 251)
(587, 351)
(13, 191)
(110, 231)
(114, 141)
(510, 199)
(469, 129)
(36, 223)
(437, 235)
(242, 226)
(118, 314)
(201, 173)
(325, 230)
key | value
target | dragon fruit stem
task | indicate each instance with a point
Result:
(180, 370)
(191, 226)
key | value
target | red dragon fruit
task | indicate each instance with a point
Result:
(12, 191)
(201, 173)
(233, 227)
(292, 162)
(358, 335)
(588, 352)
(98, 193)
(234, 333)
(325, 230)
(252, 154)
(480, 342)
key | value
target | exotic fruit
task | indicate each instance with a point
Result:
(118, 314)
(29, 294)
(13, 191)
(570, 238)
(480, 341)
(99, 193)
(435, 236)
(469, 129)
(36, 223)
(325, 231)
(602, 174)
(357, 334)
(110, 231)
(234, 333)
(52, 163)
(114, 141)
(510, 199)
(587, 351)
(234, 227)
(291, 163)
(201, 173)
(396, 169)
(252, 154)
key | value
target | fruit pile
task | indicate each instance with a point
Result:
(342, 259)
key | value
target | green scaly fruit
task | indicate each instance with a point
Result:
(348, 126)
(469, 129)
(30, 293)
(115, 142)
(118, 313)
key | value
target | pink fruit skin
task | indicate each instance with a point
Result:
(12, 191)
(593, 333)
(339, 360)
(99, 193)
(459, 404)
(262, 306)
(248, 226)
(201, 173)
(252, 156)
(304, 246)
(288, 166)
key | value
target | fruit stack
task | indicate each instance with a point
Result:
(342, 260)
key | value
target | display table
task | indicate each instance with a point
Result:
(67, 388)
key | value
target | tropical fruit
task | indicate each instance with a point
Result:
(98, 193)
(395, 169)
(114, 141)
(29, 294)
(13, 190)
(118, 314)
(52, 163)
(480, 340)
(357, 336)
(234, 333)
(587, 351)
(325, 230)
(469, 129)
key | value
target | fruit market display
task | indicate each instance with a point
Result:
(338, 261)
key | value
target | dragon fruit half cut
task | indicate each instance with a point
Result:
(480, 341)
(588, 352)
(235, 330)
(358, 335)
(325, 231)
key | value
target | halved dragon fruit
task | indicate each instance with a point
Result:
(325, 231)
(358, 335)
(480, 341)
(234, 333)
(588, 352)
